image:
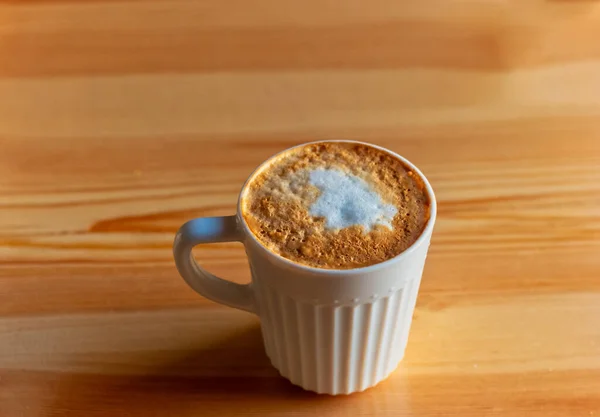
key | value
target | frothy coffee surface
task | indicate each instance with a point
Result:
(336, 205)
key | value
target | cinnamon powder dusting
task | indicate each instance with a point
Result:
(276, 206)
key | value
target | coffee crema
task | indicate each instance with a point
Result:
(336, 205)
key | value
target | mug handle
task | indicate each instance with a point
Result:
(211, 230)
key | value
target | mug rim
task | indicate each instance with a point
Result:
(427, 230)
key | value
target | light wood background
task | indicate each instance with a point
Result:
(120, 120)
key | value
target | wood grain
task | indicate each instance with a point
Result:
(120, 120)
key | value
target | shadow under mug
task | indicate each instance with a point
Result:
(328, 331)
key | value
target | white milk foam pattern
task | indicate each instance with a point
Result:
(347, 200)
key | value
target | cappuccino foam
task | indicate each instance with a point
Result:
(336, 205)
(347, 200)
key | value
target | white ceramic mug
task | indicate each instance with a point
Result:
(328, 331)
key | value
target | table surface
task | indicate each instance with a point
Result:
(120, 120)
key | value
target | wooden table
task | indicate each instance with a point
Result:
(120, 120)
